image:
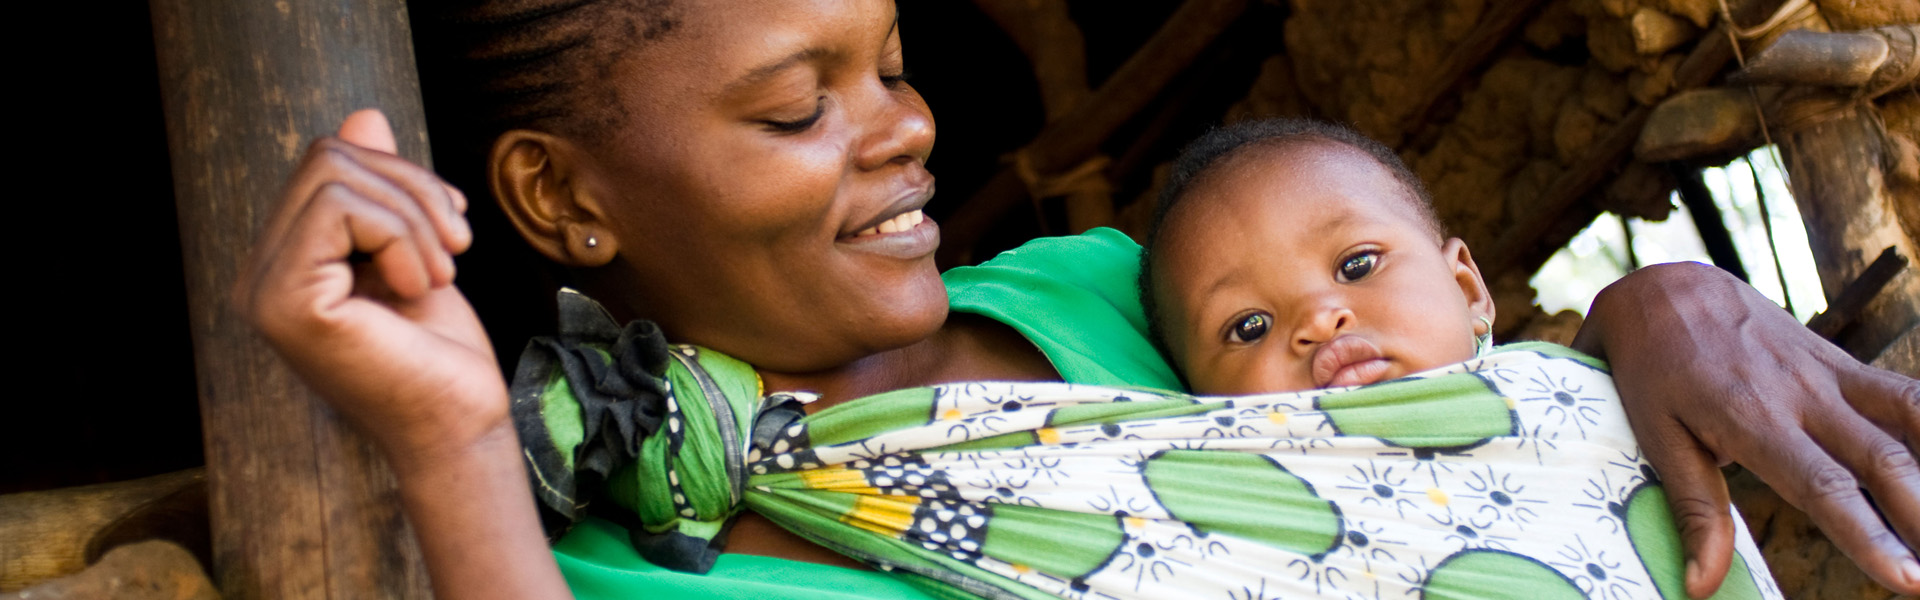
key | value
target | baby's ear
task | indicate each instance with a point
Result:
(1467, 274)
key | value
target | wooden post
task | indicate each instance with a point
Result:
(1835, 167)
(301, 506)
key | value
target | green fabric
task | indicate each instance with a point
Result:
(599, 563)
(1077, 299)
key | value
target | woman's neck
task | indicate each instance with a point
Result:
(967, 348)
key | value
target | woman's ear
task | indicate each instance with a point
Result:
(537, 178)
(1472, 285)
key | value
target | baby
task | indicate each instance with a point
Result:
(1292, 254)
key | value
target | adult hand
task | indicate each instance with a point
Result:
(352, 282)
(1711, 371)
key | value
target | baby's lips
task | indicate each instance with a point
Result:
(1339, 362)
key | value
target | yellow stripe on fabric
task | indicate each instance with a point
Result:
(839, 480)
(881, 514)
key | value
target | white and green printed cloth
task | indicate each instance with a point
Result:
(1513, 475)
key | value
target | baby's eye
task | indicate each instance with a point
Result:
(1358, 266)
(1251, 327)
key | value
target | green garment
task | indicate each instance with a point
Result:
(1077, 300)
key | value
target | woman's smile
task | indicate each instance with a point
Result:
(902, 230)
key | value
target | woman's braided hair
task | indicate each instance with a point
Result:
(537, 64)
(492, 66)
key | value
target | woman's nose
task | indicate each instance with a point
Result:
(900, 129)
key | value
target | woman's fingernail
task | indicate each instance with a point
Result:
(1693, 573)
(1911, 571)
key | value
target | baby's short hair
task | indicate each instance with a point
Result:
(1215, 146)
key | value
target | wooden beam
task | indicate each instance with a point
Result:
(1706, 218)
(1853, 299)
(1070, 140)
(301, 507)
(1046, 33)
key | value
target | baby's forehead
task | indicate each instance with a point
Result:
(1274, 174)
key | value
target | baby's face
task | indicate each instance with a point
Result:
(1306, 266)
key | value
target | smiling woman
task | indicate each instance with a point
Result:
(750, 176)
(762, 171)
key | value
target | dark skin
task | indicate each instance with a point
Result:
(711, 213)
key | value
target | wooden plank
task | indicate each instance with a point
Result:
(1848, 304)
(53, 533)
(301, 507)
(1073, 138)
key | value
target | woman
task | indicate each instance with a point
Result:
(748, 175)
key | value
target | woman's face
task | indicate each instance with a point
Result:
(766, 183)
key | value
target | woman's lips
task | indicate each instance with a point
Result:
(898, 223)
(1348, 360)
(910, 235)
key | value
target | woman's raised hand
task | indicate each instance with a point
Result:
(1711, 371)
(352, 282)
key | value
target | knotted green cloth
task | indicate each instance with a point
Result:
(1513, 475)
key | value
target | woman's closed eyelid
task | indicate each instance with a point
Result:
(801, 124)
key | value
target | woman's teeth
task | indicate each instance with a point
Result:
(897, 224)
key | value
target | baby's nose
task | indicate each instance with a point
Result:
(1321, 324)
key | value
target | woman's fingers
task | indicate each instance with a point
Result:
(316, 277)
(341, 160)
(441, 203)
(1813, 478)
(1889, 399)
(1697, 496)
(368, 128)
(422, 204)
(1885, 469)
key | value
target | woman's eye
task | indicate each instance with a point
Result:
(895, 79)
(797, 126)
(1359, 266)
(1250, 328)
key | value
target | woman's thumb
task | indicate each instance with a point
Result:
(368, 128)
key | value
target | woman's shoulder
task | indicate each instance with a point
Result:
(1076, 298)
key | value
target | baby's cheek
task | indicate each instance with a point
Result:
(1248, 377)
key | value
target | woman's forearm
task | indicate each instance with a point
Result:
(474, 516)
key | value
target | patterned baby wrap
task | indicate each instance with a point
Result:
(1513, 475)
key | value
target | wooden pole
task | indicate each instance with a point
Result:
(1834, 165)
(301, 507)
